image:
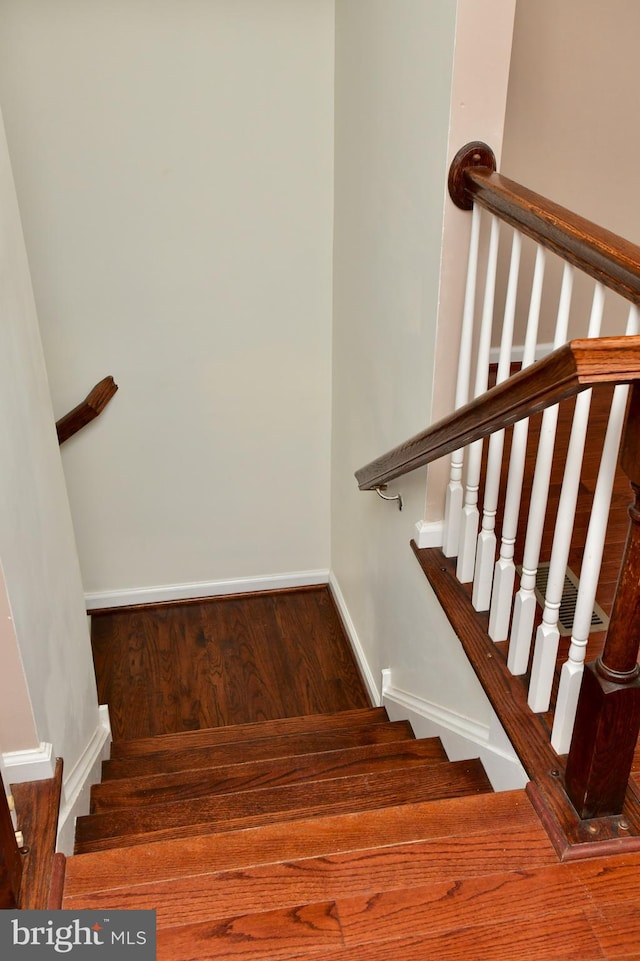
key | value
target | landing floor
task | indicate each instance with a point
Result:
(177, 667)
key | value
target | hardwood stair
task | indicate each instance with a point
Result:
(333, 764)
(268, 772)
(362, 852)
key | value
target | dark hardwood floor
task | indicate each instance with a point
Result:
(177, 667)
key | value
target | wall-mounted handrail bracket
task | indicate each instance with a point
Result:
(388, 497)
(474, 154)
(90, 408)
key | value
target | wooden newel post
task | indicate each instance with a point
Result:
(608, 716)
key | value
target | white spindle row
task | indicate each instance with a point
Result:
(572, 669)
(525, 603)
(470, 514)
(486, 549)
(548, 635)
(455, 490)
(473, 542)
(505, 571)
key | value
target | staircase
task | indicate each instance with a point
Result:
(246, 839)
(175, 786)
(337, 837)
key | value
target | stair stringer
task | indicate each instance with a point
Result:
(461, 737)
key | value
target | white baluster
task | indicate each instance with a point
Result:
(454, 495)
(548, 635)
(470, 514)
(504, 575)
(524, 607)
(486, 547)
(572, 669)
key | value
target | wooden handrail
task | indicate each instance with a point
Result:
(93, 405)
(561, 374)
(605, 256)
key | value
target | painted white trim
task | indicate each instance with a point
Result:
(37, 764)
(451, 720)
(461, 736)
(76, 786)
(517, 352)
(183, 592)
(429, 533)
(356, 645)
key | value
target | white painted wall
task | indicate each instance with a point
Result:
(174, 165)
(17, 723)
(175, 172)
(571, 132)
(42, 592)
(394, 67)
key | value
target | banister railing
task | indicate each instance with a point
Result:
(608, 712)
(603, 255)
(90, 408)
(561, 374)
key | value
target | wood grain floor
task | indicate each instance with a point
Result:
(473, 878)
(177, 667)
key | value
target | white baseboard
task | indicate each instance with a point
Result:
(183, 592)
(461, 736)
(429, 533)
(352, 634)
(37, 764)
(76, 786)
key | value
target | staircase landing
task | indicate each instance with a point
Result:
(181, 666)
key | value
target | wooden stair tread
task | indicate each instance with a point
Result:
(180, 785)
(257, 749)
(317, 933)
(396, 870)
(230, 811)
(379, 899)
(438, 896)
(235, 733)
(419, 867)
(504, 820)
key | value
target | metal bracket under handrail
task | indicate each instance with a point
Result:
(389, 497)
